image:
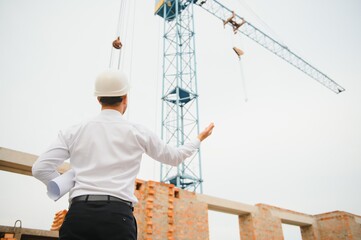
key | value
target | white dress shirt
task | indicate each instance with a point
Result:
(105, 154)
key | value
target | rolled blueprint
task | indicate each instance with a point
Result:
(61, 185)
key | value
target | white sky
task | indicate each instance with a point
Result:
(294, 144)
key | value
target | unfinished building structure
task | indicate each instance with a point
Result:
(166, 212)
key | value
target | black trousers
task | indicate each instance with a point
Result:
(99, 220)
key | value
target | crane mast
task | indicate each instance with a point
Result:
(180, 116)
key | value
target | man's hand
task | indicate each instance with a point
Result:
(206, 132)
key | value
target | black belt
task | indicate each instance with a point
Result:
(100, 198)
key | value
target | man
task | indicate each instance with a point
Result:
(105, 154)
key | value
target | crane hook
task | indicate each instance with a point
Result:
(117, 43)
(238, 51)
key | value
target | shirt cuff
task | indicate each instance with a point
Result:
(196, 143)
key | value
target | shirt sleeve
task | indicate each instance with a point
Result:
(45, 167)
(158, 150)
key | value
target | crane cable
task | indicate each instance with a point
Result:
(243, 80)
(131, 51)
(157, 77)
(239, 54)
(117, 44)
(118, 53)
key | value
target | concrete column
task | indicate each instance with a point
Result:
(266, 225)
(246, 227)
(310, 233)
(190, 216)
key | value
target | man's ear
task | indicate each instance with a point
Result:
(125, 99)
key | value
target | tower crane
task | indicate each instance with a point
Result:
(180, 116)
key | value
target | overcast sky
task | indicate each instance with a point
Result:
(294, 144)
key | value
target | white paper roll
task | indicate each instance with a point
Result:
(61, 185)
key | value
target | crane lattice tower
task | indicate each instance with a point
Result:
(180, 117)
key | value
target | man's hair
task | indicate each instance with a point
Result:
(110, 101)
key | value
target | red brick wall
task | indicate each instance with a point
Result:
(246, 227)
(266, 226)
(190, 216)
(338, 225)
(164, 212)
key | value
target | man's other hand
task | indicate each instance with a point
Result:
(206, 132)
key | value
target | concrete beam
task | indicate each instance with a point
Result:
(226, 206)
(291, 218)
(43, 234)
(20, 162)
(15, 161)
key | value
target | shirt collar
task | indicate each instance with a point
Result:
(111, 112)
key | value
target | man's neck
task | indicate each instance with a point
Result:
(112, 108)
(116, 108)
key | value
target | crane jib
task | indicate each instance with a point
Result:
(226, 15)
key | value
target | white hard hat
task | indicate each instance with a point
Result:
(111, 83)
